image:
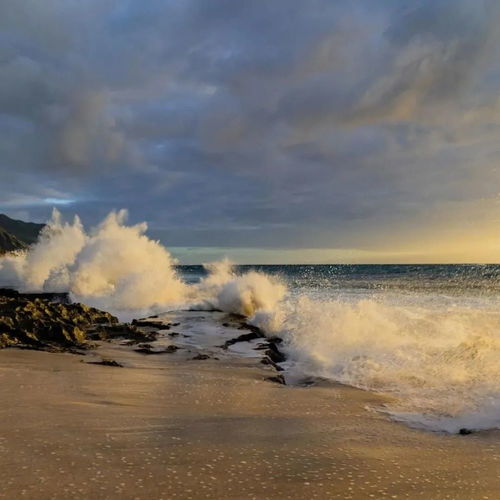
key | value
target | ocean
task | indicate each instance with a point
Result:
(426, 335)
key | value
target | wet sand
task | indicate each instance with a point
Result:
(163, 427)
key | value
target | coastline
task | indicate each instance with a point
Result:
(168, 426)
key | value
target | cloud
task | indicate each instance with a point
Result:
(240, 124)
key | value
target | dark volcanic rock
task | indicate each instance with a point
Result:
(200, 357)
(105, 362)
(43, 322)
(120, 331)
(148, 349)
(246, 337)
(40, 323)
(145, 322)
(270, 362)
(271, 350)
(254, 329)
(171, 348)
(278, 379)
(62, 297)
(275, 354)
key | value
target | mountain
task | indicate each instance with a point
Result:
(8, 242)
(16, 234)
(27, 232)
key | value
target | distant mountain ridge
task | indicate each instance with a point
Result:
(17, 234)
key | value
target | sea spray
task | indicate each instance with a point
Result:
(247, 294)
(439, 361)
(441, 366)
(117, 267)
(113, 266)
(57, 247)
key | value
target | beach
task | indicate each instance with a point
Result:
(249, 250)
(168, 426)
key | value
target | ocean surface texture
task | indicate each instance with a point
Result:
(428, 335)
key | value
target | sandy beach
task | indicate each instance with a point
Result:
(249, 249)
(165, 426)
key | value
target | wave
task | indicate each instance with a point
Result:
(117, 267)
(250, 294)
(441, 367)
(113, 266)
(439, 364)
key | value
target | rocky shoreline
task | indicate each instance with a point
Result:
(50, 322)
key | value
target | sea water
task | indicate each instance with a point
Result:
(428, 335)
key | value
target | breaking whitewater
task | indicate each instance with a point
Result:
(428, 336)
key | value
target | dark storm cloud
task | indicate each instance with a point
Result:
(259, 123)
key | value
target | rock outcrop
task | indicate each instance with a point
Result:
(34, 322)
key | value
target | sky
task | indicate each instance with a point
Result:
(270, 131)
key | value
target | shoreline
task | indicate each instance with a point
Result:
(170, 426)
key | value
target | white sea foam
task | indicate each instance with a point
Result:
(442, 366)
(249, 294)
(117, 267)
(113, 266)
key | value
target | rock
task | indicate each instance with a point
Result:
(62, 298)
(274, 354)
(278, 379)
(254, 329)
(147, 349)
(144, 322)
(246, 337)
(201, 357)
(105, 362)
(121, 330)
(308, 381)
(270, 362)
(262, 347)
(275, 340)
(465, 432)
(128, 342)
(171, 348)
(46, 322)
